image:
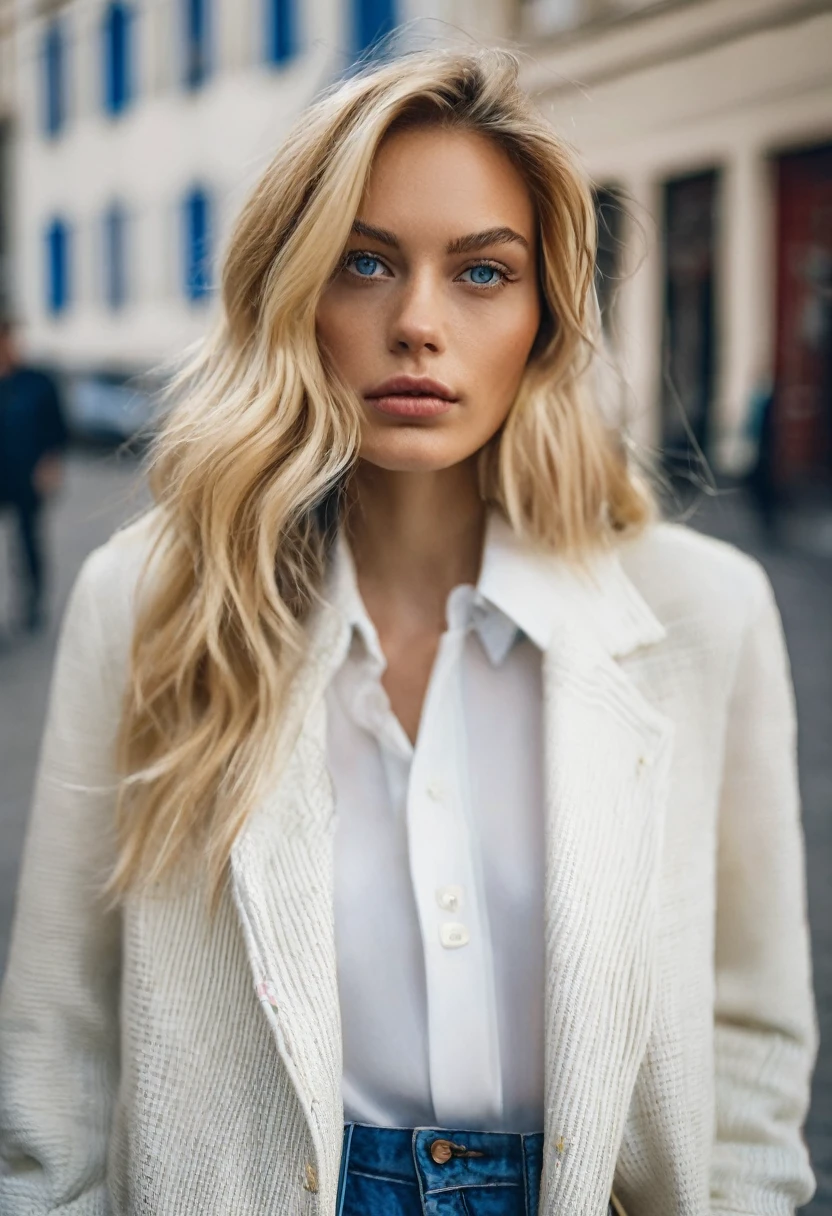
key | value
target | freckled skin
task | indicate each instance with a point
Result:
(466, 319)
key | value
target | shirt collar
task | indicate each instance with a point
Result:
(511, 595)
(522, 587)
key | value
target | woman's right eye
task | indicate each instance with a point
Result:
(364, 265)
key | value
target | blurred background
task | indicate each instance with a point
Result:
(130, 131)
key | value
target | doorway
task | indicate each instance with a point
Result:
(688, 337)
(803, 357)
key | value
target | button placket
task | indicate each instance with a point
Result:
(463, 1048)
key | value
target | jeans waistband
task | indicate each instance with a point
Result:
(438, 1161)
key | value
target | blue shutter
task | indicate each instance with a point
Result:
(115, 256)
(196, 42)
(197, 234)
(280, 30)
(54, 78)
(373, 20)
(58, 250)
(118, 48)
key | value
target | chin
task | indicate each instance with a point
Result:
(408, 450)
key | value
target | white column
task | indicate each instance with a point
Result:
(745, 302)
(638, 314)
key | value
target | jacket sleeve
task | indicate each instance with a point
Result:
(59, 1002)
(765, 1023)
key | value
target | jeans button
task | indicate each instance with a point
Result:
(440, 1151)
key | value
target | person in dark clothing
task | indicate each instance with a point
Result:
(761, 478)
(33, 436)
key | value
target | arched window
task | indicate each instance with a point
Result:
(196, 42)
(58, 266)
(197, 231)
(281, 30)
(115, 256)
(54, 77)
(373, 19)
(117, 31)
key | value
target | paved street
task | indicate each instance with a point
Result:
(101, 492)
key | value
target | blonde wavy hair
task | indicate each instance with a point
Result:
(263, 436)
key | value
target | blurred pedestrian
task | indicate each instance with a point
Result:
(33, 436)
(760, 480)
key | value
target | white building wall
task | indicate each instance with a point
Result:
(169, 139)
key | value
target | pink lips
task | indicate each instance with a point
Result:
(411, 397)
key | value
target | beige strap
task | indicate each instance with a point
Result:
(616, 1206)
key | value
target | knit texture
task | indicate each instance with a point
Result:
(155, 1061)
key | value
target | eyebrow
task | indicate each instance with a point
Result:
(471, 243)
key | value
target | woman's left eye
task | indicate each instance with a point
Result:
(483, 275)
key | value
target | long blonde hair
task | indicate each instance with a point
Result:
(262, 435)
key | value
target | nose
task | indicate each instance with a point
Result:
(416, 323)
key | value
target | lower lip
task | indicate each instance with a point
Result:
(411, 407)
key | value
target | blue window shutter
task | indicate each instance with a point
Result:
(374, 19)
(196, 42)
(58, 252)
(115, 256)
(118, 48)
(280, 30)
(197, 233)
(54, 78)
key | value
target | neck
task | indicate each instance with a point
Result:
(416, 536)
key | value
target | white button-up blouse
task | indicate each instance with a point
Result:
(439, 861)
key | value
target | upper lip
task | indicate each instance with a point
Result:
(415, 386)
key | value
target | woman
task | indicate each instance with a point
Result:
(446, 802)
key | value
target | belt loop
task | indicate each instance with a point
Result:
(342, 1173)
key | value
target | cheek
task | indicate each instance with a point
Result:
(340, 331)
(499, 350)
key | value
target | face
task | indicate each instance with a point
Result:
(433, 312)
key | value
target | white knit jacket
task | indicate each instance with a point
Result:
(155, 1061)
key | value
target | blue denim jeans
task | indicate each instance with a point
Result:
(431, 1172)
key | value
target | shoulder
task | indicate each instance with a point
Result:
(34, 381)
(110, 580)
(700, 589)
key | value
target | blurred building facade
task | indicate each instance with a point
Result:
(130, 130)
(712, 121)
(133, 130)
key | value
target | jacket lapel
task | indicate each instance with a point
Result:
(607, 766)
(282, 883)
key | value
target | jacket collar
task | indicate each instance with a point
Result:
(547, 594)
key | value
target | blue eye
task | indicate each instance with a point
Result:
(484, 275)
(365, 265)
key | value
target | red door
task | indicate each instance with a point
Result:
(803, 365)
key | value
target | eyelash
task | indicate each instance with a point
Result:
(506, 277)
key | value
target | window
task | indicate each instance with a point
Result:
(58, 257)
(115, 256)
(373, 20)
(197, 244)
(54, 77)
(117, 33)
(280, 30)
(196, 40)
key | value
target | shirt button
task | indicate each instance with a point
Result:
(452, 935)
(434, 791)
(449, 898)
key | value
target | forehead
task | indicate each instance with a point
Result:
(435, 181)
